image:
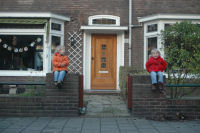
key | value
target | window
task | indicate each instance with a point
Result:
(21, 52)
(167, 25)
(56, 26)
(152, 28)
(55, 41)
(154, 24)
(27, 41)
(104, 20)
(152, 43)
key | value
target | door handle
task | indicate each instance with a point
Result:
(92, 58)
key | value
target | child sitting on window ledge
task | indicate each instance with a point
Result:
(60, 62)
(155, 66)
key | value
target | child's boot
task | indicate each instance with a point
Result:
(154, 87)
(59, 84)
(160, 86)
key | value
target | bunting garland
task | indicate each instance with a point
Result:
(20, 50)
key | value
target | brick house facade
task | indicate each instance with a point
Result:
(145, 14)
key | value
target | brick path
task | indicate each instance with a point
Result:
(105, 106)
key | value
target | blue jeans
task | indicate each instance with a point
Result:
(59, 75)
(154, 77)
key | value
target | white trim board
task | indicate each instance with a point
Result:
(115, 28)
(169, 17)
(33, 15)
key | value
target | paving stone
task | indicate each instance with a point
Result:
(106, 106)
(148, 131)
(12, 131)
(96, 125)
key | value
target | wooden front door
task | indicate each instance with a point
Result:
(103, 61)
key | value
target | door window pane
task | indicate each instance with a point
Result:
(152, 43)
(103, 46)
(21, 52)
(103, 65)
(103, 59)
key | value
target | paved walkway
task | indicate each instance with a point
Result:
(95, 125)
(105, 106)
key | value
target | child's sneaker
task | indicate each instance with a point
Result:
(55, 83)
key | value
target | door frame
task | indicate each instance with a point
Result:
(87, 55)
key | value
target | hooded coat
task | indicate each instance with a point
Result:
(156, 64)
(58, 60)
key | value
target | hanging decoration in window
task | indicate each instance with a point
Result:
(22, 49)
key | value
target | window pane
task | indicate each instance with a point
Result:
(21, 52)
(103, 21)
(103, 46)
(55, 41)
(152, 43)
(103, 65)
(151, 28)
(21, 26)
(167, 25)
(55, 26)
(103, 59)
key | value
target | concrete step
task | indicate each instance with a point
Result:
(142, 79)
(102, 92)
(144, 91)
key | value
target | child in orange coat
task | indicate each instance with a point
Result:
(60, 62)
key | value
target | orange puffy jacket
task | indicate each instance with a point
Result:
(58, 60)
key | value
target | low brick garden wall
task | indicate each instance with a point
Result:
(154, 105)
(55, 102)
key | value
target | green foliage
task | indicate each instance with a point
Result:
(33, 90)
(182, 53)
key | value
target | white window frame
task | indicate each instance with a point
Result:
(46, 43)
(26, 32)
(116, 18)
(161, 26)
(55, 33)
(150, 35)
(161, 20)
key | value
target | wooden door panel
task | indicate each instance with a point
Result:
(103, 62)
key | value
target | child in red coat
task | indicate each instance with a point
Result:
(155, 66)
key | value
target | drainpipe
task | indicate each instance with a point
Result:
(130, 31)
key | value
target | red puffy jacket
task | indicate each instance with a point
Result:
(156, 64)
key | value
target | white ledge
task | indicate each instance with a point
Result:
(169, 17)
(33, 15)
(104, 28)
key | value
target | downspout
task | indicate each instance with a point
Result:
(130, 32)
